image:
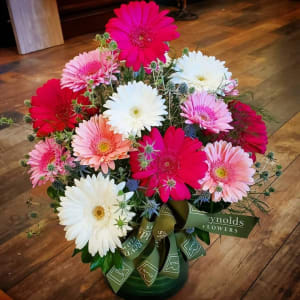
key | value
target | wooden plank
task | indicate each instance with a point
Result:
(3, 296)
(64, 277)
(280, 279)
(36, 24)
(20, 256)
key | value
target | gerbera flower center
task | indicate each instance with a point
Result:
(203, 113)
(168, 164)
(221, 172)
(140, 38)
(170, 183)
(90, 68)
(104, 147)
(98, 212)
(201, 78)
(135, 112)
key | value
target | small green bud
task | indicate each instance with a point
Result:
(51, 167)
(63, 158)
(278, 167)
(219, 189)
(30, 137)
(26, 156)
(185, 51)
(91, 81)
(270, 155)
(98, 37)
(86, 94)
(27, 119)
(106, 35)
(42, 178)
(112, 45)
(191, 90)
(23, 163)
(144, 164)
(27, 103)
(34, 215)
(278, 173)
(153, 66)
(257, 165)
(271, 190)
(267, 194)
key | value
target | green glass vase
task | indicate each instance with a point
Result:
(162, 288)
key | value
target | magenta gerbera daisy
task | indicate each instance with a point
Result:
(167, 164)
(98, 66)
(141, 32)
(249, 131)
(47, 161)
(208, 112)
(230, 172)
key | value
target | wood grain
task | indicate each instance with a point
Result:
(36, 24)
(281, 278)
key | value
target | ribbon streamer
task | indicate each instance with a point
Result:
(141, 249)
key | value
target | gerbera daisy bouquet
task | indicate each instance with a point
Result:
(146, 155)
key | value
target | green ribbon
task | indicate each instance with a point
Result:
(171, 267)
(148, 269)
(141, 252)
(232, 225)
(224, 224)
(164, 223)
(117, 277)
(189, 245)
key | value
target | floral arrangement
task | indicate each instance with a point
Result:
(143, 151)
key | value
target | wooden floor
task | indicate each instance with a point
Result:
(260, 42)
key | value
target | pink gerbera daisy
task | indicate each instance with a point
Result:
(98, 66)
(95, 144)
(141, 32)
(167, 164)
(47, 161)
(207, 111)
(230, 172)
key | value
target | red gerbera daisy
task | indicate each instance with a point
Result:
(52, 110)
(249, 131)
(141, 32)
(167, 164)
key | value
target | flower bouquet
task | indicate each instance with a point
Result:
(147, 154)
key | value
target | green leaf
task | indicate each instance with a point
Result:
(97, 262)
(108, 262)
(86, 257)
(203, 235)
(52, 193)
(76, 251)
(117, 259)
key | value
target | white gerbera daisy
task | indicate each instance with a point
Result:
(90, 211)
(200, 71)
(135, 107)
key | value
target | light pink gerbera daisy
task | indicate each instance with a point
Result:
(95, 144)
(95, 65)
(47, 161)
(229, 174)
(207, 111)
